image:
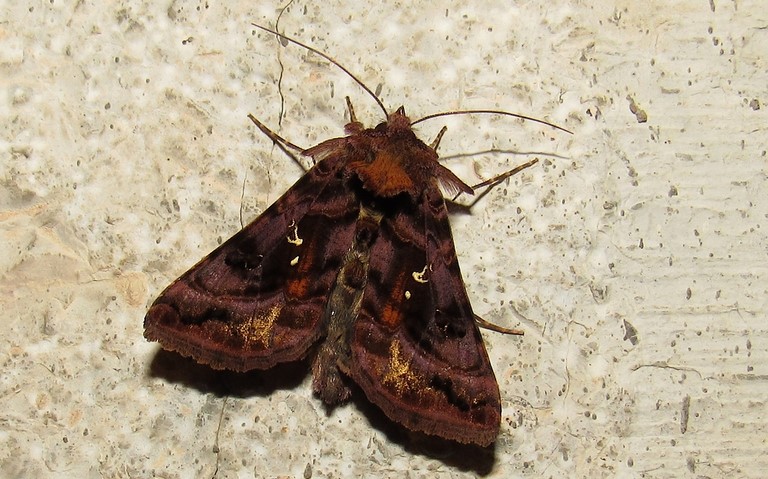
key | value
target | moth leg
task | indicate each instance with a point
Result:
(483, 323)
(503, 176)
(493, 182)
(353, 126)
(281, 142)
(352, 117)
(436, 142)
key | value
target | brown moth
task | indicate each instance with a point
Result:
(354, 266)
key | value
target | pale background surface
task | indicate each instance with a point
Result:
(635, 252)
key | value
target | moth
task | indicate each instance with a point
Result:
(355, 267)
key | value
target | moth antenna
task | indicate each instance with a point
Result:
(328, 57)
(436, 142)
(490, 112)
(281, 142)
(495, 327)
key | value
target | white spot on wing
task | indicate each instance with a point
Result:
(295, 240)
(418, 276)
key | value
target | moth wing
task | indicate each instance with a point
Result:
(416, 349)
(258, 299)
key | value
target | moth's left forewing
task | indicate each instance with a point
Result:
(416, 349)
(257, 300)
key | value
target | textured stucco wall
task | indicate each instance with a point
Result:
(633, 255)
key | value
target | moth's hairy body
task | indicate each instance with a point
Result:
(355, 266)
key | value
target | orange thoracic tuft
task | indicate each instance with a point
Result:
(390, 160)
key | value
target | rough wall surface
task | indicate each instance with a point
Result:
(633, 255)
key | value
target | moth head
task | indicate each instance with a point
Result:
(391, 161)
(398, 121)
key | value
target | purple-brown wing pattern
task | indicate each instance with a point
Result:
(257, 300)
(416, 350)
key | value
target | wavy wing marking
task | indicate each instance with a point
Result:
(257, 300)
(416, 349)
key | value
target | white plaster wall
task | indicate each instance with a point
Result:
(633, 255)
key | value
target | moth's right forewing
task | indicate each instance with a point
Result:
(416, 350)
